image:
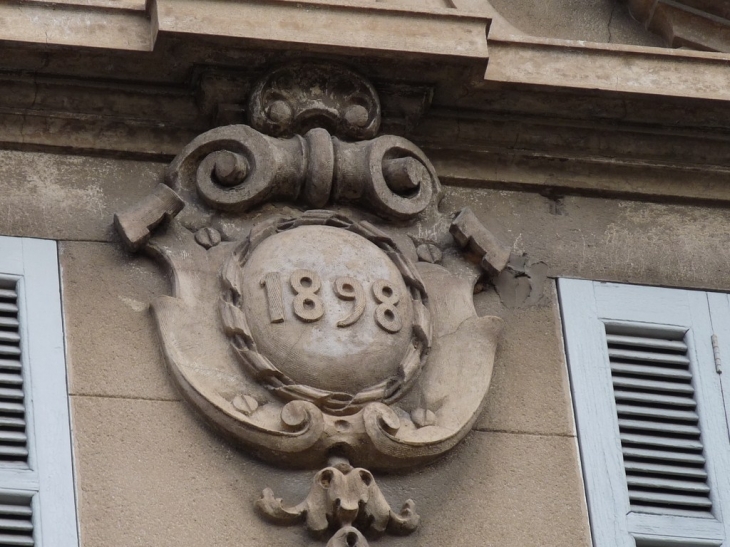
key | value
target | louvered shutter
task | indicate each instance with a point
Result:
(36, 478)
(649, 413)
(16, 521)
(13, 438)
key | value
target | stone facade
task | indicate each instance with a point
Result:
(568, 129)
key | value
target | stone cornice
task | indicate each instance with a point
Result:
(696, 24)
(557, 115)
(610, 67)
(320, 25)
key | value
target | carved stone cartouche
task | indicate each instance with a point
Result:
(308, 334)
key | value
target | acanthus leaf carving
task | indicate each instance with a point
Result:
(346, 500)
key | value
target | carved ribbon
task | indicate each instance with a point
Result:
(234, 168)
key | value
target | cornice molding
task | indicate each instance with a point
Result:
(320, 25)
(609, 67)
(696, 24)
(572, 116)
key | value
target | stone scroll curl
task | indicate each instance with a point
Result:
(235, 168)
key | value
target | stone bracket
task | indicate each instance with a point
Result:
(136, 223)
(472, 234)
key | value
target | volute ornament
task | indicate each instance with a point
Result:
(322, 337)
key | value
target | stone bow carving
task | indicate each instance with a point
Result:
(309, 335)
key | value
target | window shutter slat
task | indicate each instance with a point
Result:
(13, 435)
(663, 455)
(16, 523)
(652, 487)
(641, 397)
(10, 364)
(659, 427)
(638, 341)
(678, 415)
(619, 380)
(666, 470)
(647, 356)
(650, 371)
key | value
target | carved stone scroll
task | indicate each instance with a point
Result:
(235, 168)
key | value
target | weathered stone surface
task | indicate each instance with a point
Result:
(150, 474)
(111, 345)
(703, 26)
(66, 197)
(298, 97)
(606, 239)
(590, 20)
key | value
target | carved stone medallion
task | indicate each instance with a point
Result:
(320, 338)
(345, 326)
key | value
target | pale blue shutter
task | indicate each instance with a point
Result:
(37, 501)
(649, 413)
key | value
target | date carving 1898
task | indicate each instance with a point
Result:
(349, 288)
(385, 314)
(308, 306)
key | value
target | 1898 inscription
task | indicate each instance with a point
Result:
(308, 306)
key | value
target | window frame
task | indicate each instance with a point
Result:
(48, 478)
(586, 307)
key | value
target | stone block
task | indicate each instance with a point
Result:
(111, 340)
(149, 473)
(54, 196)
(530, 390)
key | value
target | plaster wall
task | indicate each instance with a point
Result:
(148, 472)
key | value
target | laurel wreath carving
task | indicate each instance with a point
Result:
(263, 370)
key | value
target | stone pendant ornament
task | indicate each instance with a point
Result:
(320, 338)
